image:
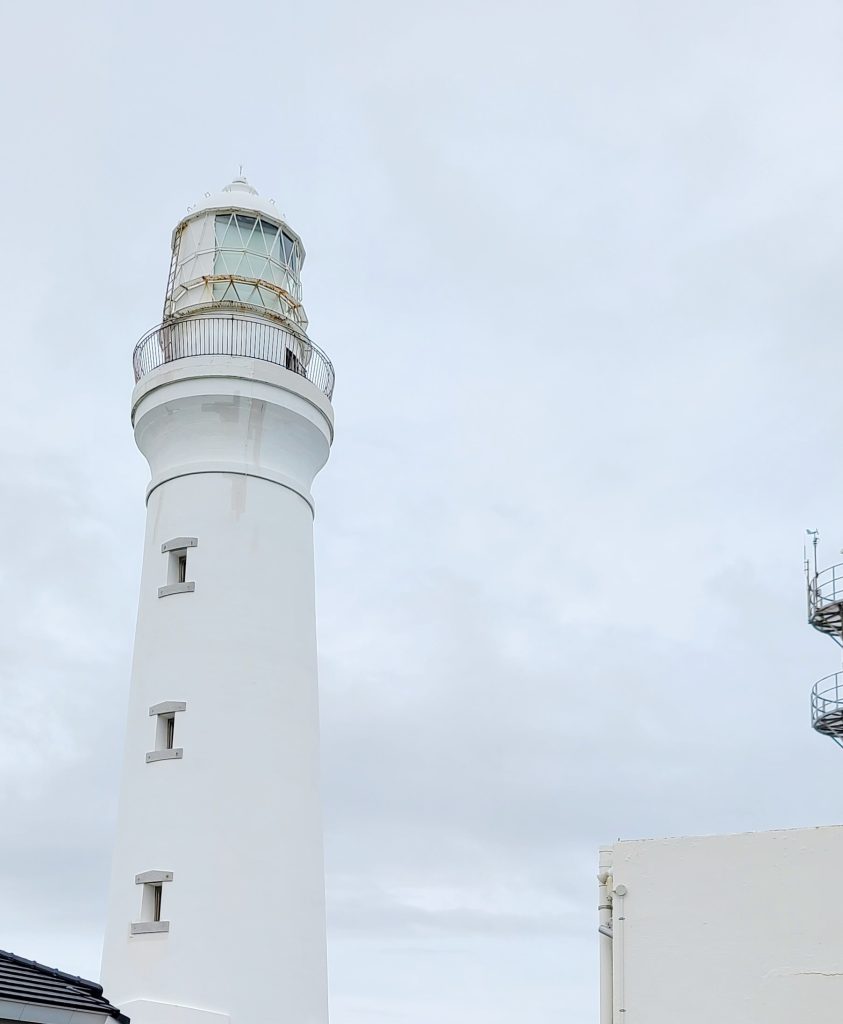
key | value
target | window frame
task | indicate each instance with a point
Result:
(165, 730)
(152, 900)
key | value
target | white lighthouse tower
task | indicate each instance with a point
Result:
(216, 906)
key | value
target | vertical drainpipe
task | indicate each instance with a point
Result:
(604, 912)
(618, 950)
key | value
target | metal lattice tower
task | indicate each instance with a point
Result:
(825, 614)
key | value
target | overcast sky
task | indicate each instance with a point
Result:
(577, 266)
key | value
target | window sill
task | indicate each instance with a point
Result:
(175, 754)
(176, 588)
(149, 927)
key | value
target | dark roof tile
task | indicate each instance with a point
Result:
(25, 981)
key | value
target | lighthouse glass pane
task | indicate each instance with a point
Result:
(228, 235)
(258, 250)
(246, 247)
(269, 236)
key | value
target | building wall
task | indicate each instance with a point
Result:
(736, 929)
(233, 446)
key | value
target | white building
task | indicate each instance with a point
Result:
(739, 929)
(216, 906)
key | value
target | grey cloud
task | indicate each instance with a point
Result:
(577, 270)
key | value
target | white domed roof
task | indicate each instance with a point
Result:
(239, 194)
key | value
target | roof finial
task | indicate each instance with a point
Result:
(240, 184)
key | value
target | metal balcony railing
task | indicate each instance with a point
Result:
(825, 601)
(235, 336)
(827, 706)
(827, 586)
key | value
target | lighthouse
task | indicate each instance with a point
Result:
(217, 907)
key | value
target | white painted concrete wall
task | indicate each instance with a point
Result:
(233, 446)
(741, 929)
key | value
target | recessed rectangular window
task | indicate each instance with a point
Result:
(152, 902)
(165, 731)
(175, 552)
(177, 566)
